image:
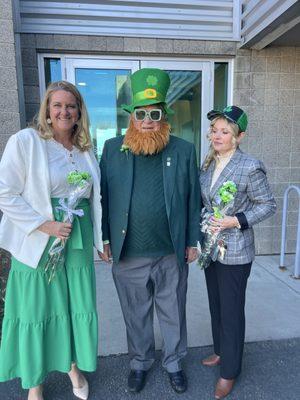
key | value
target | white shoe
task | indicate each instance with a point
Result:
(83, 392)
(38, 393)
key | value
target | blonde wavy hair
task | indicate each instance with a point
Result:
(81, 135)
(212, 154)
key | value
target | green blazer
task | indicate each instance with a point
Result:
(181, 191)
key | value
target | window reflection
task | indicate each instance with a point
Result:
(52, 68)
(104, 91)
(184, 97)
(221, 86)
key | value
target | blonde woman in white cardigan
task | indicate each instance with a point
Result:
(49, 326)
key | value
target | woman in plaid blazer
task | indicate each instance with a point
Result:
(226, 278)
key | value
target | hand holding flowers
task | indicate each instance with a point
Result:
(227, 222)
(60, 230)
(79, 185)
(213, 244)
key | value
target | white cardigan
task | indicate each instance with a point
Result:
(25, 197)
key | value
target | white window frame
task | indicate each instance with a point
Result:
(72, 63)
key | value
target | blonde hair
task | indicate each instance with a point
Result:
(81, 135)
(212, 154)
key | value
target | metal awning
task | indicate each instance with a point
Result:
(197, 19)
(265, 21)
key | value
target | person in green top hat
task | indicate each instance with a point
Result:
(151, 211)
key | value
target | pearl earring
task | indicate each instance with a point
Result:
(49, 122)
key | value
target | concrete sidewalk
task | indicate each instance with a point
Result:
(271, 366)
(272, 307)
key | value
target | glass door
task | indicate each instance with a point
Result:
(191, 97)
(105, 86)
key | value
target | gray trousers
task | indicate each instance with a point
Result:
(142, 282)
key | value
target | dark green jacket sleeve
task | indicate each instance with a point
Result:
(104, 195)
(194, 203)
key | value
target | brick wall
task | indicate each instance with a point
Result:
(9, 103)
(267, 86)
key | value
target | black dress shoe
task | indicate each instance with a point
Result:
(136, 380)
(178, 381)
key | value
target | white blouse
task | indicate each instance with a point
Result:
(61, 162)
(221, 162)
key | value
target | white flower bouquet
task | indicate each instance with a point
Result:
(213, 244)
(79, 184)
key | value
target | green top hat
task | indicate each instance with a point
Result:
(149, 86)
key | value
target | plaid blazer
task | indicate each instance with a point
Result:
(253, 199)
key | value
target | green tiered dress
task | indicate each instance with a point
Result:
(48, 326)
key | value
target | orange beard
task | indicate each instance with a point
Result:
(147, 143)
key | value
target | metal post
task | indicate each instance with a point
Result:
(283, 233)
(297, 257)
(283, 230)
